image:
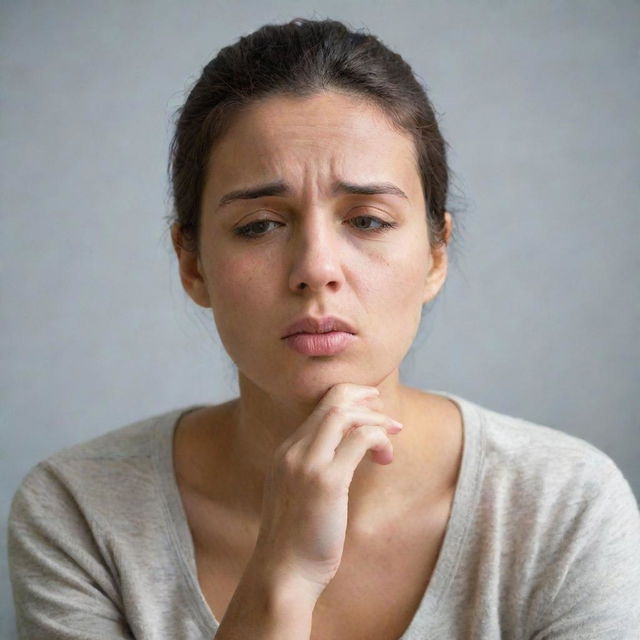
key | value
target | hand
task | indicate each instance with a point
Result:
(304, 509)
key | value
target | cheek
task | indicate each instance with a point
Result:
(231, 284)
(396, 299)
(232, 281)
(399, 282)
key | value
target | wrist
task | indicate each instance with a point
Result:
(282, 590)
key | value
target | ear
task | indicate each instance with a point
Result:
(438, 271)
(191, 272)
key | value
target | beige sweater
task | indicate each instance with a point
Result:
(543, 541)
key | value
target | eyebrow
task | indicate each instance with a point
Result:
(280, 188)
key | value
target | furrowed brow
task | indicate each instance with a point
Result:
(370, 189)
(280, 188)
(269, 189)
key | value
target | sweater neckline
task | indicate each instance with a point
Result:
(464, 502)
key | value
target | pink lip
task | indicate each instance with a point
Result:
(309, 324)
(320, 344)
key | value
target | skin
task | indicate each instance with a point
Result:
(313, 259)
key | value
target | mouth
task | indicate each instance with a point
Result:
(326, 343)
(308, 325)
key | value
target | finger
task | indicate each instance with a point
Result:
(338, 424)
(353, 448)
(343, 394)
(347, 392)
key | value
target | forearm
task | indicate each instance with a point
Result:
(266, 608)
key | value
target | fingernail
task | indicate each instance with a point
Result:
(397, 424)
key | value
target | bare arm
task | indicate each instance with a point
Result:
(267, 607)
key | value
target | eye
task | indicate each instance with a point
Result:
(253, 229)
(259, 228)
(383, 225)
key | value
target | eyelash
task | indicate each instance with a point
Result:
(243, 231)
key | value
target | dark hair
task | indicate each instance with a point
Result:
(300, 58)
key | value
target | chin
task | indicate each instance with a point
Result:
(306, 379)
(305, 384)
(311, 386)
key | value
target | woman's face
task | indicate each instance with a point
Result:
(312, 246)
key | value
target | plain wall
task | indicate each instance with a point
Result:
(539, 102)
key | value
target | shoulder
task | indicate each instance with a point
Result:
(551, 489)
(562, 519)
(131, 440)
(540, 482)
(539, 458)
(97, 471)
(81, 520)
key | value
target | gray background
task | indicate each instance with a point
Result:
(539, 318)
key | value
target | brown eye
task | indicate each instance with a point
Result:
(383, 226)
(253, 229)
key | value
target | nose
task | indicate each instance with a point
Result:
(316, 256)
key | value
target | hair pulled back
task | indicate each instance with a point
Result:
(300, 58)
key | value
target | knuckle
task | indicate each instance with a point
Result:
(371, 433)
(362, 433)
(301, 472)
(335, 411)
(316, 476)
(344, 390)
(290, 460)
(340, 391)
(321, 480)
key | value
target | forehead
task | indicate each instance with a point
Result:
(312, 140)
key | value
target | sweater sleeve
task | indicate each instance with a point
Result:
(62, 586)
(597, 594)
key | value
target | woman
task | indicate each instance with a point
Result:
(310, 184)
